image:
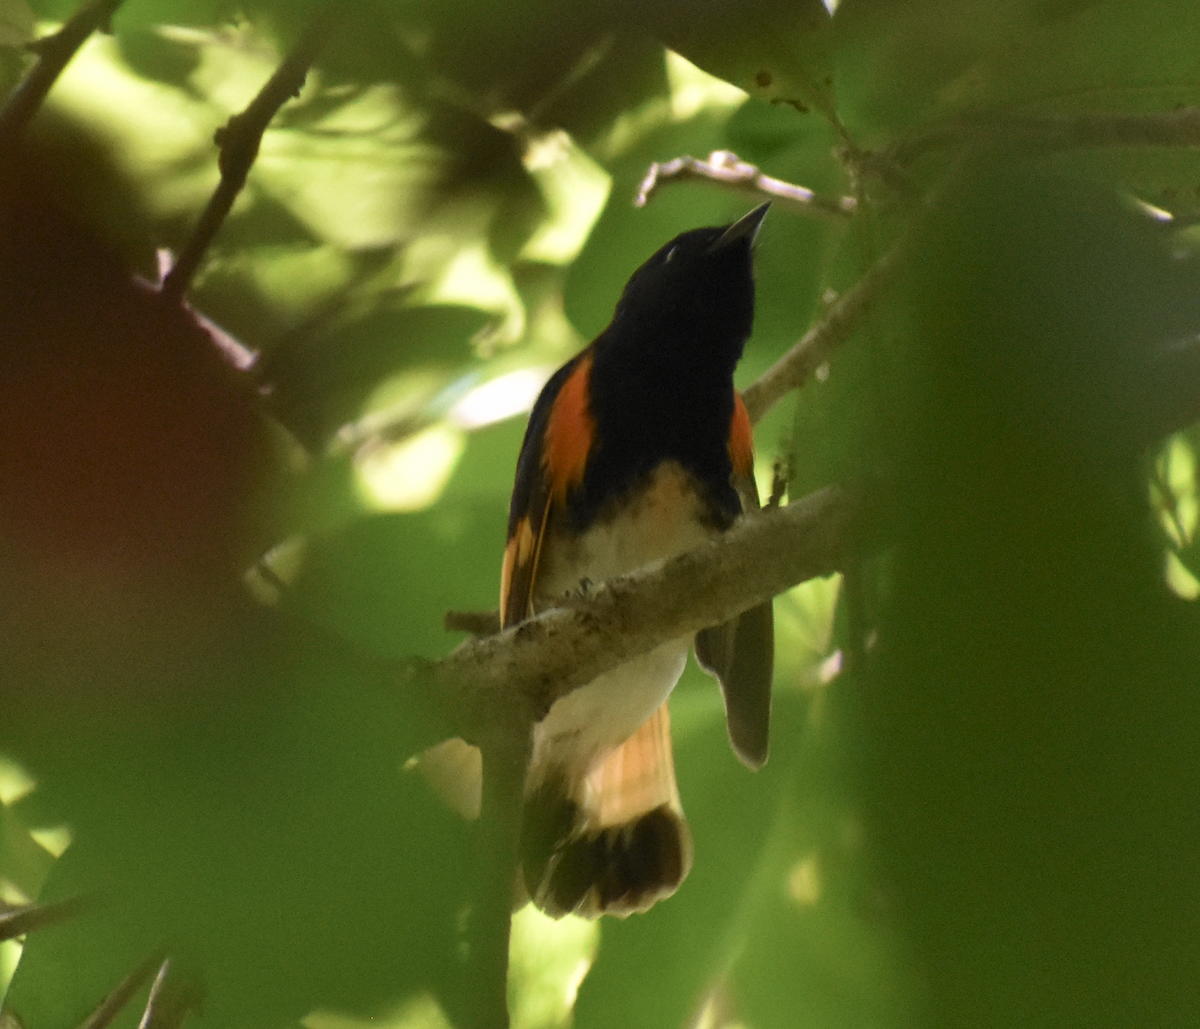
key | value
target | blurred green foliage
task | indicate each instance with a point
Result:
(980, 808)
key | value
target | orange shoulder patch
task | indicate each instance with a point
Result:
(517, 555)
(741, 439)
(570, 432)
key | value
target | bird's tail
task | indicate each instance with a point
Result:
(615, 842)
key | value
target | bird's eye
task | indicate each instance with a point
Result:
(670, 255)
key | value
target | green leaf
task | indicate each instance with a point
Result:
(17, 22)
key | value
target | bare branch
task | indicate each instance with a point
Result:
(838, 324)
(122, 993)
(54, 54)
(21, 920)
(496, 686)
(524, 669)
(726, 168)
(239, 141)
(590, 636)
(790, 372)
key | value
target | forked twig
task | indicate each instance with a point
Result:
(726, 168)
(239, 140)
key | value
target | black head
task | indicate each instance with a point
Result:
(661, 382)
(697, 290)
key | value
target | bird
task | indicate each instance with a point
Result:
(637, 449)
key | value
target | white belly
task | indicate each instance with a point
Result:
(584, 726)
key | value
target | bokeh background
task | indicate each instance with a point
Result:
(981, 805)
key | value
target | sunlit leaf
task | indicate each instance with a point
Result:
(409, 475)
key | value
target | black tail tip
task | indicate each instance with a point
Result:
(617, 870)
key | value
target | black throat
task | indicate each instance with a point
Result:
(661, 390)
(661, 385)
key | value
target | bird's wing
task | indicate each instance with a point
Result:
(741, 652)
(553, 458)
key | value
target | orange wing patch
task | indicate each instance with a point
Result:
(570, 433)
(519, 571)
(741, 440)
(517, 554)
(564, 444)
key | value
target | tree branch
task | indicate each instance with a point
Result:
(239, 140)
(28, 918)
(497, 842)
(839, 323)
(54, 54)
(531, 665)
(790, 372)
(495, 687)
(727, 169)
(122, 993)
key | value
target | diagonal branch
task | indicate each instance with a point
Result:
(838, 324)
(493, 689)
(790, 372)
(239, 141)
(726, 168)
(30, 917)
(54, 54)
(123, 993)
(172, 996)
(544, 658)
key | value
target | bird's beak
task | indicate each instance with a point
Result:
(745, 228)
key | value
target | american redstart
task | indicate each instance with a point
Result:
(637, 449)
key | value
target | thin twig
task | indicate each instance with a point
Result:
(156, 988)
(21, 920)
(525, 669)
(171, 998)
(844, 316)
(726, 168)
(790, 372)
(122, 993)
(239, 141)
(54, 54)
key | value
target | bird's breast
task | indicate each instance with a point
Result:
(661, 518)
